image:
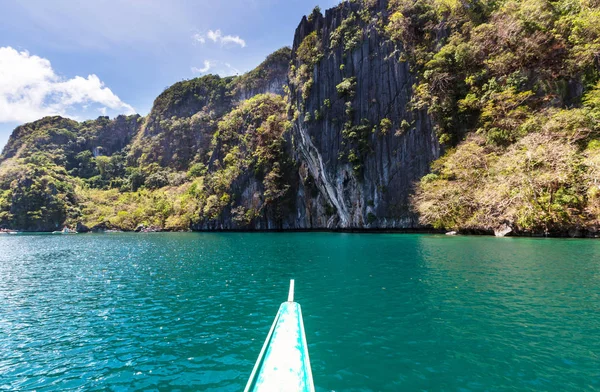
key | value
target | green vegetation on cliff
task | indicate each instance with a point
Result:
(248, 144)
(36, 194)
(50, 177)
(273, 70)
(183, 165)
(513, 89)
(46, 161)
(179, 128)
(248, 154)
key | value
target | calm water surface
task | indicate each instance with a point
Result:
(179, 312)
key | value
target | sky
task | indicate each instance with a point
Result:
(86, 58)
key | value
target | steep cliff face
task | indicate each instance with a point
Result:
(179, 129)
(104, 136)
(180, 125)
(270, 77)
(250, 179)
(358, 145)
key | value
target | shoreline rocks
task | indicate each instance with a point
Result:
(148, 229)
(503, 231)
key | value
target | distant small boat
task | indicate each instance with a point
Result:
(283, 363)
(65, 230)
(6, 231)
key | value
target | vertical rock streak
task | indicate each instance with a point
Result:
(377, 195)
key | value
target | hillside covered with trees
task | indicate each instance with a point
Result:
(514, 91)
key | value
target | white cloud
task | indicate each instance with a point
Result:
(216, 67)
(199, 38)
(207, 66)
(218, 37)
(31, 89)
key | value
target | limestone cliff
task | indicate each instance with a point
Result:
(318, 136)
(179, 129)
(358, 145)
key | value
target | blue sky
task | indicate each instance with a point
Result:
(85, 58)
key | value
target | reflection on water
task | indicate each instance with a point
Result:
(382, 312)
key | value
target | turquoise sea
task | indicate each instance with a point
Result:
(382, 312)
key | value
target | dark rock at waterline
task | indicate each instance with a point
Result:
(81, 228)
(148, 229)
(101, 227)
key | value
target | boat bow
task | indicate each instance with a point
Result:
(283, 363)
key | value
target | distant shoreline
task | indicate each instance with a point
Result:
(583, 234)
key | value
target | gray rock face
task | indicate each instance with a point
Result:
(269, 77)
(330, 191)
(271, 86)
(184, 117)
(111, 136)
(182, 122)
(332, 194)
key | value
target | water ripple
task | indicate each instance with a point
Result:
(382, 313)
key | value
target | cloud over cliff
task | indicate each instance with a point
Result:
(30, 89)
